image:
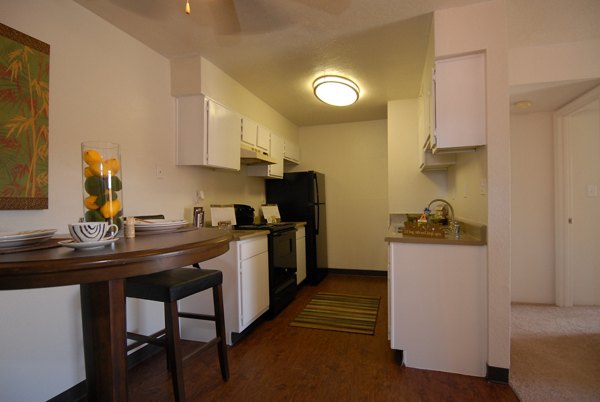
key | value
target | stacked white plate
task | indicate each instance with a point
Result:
(155, 225)
(25, 237)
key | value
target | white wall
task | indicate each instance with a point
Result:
(353, 158)
(473, 28)
(409, 190)
(554, 62)
(467, 186)
(532, 212)
(103, 85)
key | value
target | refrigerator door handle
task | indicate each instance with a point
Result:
(316, 184)
(318, 207)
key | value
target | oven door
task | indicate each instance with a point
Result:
(284, 249)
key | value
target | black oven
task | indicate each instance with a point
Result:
(282, 269)
(282, 263)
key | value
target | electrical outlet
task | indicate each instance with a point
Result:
(198, 196)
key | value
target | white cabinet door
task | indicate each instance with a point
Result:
(224, 127)
(460, 103)
(448, 330)
(300, 254)
(254, 288)
(207, 133)
(275, 170)
(245, 268)
(263, 139)
(249, 131)
(192, 120)
(291, 151)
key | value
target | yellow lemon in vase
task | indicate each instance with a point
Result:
(91, 156)
(110, 208)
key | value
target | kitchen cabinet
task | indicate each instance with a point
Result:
(430, 162)
(249, 131)
(291, 151)
(300, 254)
(263, 139)
(459, 103)
(273, 170)
(256, 135)
(208, 134)
(245, 269)
(427, 161)
(438, 306)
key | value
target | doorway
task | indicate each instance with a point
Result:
(577, 197)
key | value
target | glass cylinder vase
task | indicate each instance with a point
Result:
(102, 184)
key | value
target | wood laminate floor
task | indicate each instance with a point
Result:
(276, 362)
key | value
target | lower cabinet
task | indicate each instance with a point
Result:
(300, 254)
(438, 306)
(245, 270)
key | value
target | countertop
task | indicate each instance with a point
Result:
(471, 235)
(247, 234)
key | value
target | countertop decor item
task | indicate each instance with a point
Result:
(102, 184)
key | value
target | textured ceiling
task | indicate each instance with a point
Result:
(276, 48)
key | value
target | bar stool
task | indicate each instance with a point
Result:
(168, 287)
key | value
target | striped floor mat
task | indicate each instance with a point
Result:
(340, 312)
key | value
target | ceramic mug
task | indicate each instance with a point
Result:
(92, 231)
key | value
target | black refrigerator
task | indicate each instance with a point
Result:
(300, 197)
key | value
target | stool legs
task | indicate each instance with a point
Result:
(220, 327)
(174, 360)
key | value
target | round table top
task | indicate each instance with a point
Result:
(144, 254)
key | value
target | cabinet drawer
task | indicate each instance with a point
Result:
(252, 247)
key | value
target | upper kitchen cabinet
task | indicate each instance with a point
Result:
(251, 153)
(249, 131)
(208, 134)
(459, 103)
(291, 151)
(274, 170)
(427, 161)
(263, 139)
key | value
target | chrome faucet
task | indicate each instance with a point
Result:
(453, 226)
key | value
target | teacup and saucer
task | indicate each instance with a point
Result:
(91, 234)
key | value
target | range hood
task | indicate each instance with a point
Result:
(253, 156)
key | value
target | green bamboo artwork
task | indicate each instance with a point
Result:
(24, 91)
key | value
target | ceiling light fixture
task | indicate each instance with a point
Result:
(335, 90)
(187, 6)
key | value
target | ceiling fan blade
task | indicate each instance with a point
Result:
(224, 16)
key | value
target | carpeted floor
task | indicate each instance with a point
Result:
(339, 312)
(555, 353)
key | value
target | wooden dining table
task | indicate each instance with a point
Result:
(101, 274)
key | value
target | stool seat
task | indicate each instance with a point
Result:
(172, 285)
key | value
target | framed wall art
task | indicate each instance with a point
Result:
(24, 93)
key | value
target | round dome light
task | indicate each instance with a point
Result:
(335, 90)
